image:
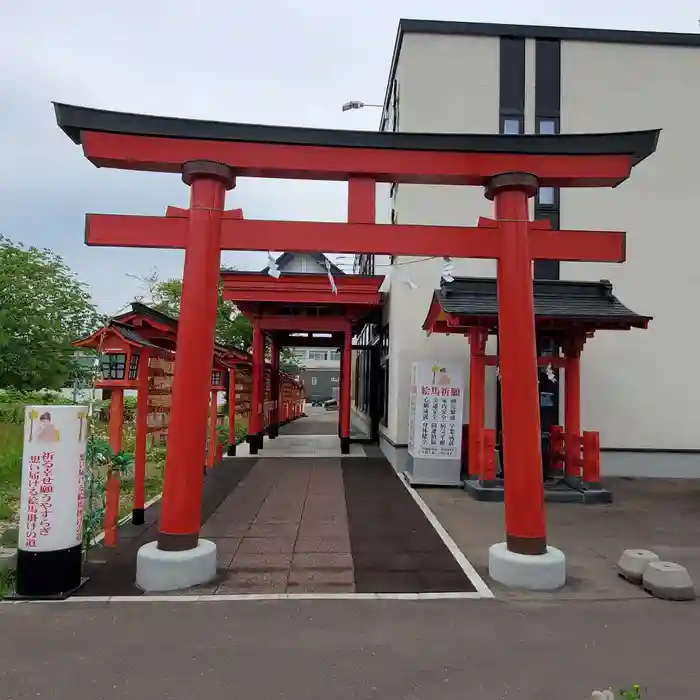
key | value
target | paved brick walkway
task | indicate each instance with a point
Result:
(285, 529)
(302, 445)
(294, 520)
(319, 422)
(299, 518)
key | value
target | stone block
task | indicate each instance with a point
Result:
(664, 579)
(633, 563)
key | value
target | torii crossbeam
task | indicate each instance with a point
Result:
(209, 155)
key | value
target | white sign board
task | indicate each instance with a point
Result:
(53, 476)
(436, 404)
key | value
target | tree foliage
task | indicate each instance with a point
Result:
(43, 308)
(233, 329)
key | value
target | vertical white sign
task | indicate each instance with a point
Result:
(412, 411)
(437, 396)
(53, 476)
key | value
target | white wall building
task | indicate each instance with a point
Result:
(639, 387)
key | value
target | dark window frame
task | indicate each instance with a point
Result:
(384, 362)
(505, 117)
(134, 366)
(113, 365)
(554, 204)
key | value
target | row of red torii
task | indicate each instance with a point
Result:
(210, 155)
(131, 348)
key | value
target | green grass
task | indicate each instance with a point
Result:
(11, 437)
(9, 538)
(7, 582)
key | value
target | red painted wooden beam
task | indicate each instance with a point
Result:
(135, 231)
(167, 155)
(179, 212)
(578, 246)
(351, 288)
(379, 239)
(305, 323)
(283, 294)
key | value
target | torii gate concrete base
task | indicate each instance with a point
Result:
(160, 570)
(543, 572)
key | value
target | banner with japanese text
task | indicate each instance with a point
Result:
(436, 407)
(53, 475)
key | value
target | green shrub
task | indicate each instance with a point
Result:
(9, 538)
(11, 437)
(13, 402)
(7, 582)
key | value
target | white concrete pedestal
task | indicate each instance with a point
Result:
(545, 572)
(157, 570)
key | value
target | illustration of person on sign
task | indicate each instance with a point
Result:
(47, 432)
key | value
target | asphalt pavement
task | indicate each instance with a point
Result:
(342, 650)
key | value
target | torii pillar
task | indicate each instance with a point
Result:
(344, 393)
(257, 389)
(178, 537)
(274, 427)
(524, 491)
(477, 386)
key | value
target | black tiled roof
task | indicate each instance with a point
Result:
(128, 333)
(138, 308)
(75, 121)
(593, 303)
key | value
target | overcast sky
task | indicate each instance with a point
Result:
(264, 61)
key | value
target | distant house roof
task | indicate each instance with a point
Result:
(139, 308)
(592, 304)
(286, 258)
(132, 336)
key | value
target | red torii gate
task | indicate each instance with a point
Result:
(267, 302)
(210, 155)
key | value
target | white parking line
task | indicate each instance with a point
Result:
(482, 589)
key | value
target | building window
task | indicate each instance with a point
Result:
(547, 205)
(546, 196)
(318, 355)
(314, 381)
(113, 366)
(547, 127)
(335, 355)
(512, 126)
